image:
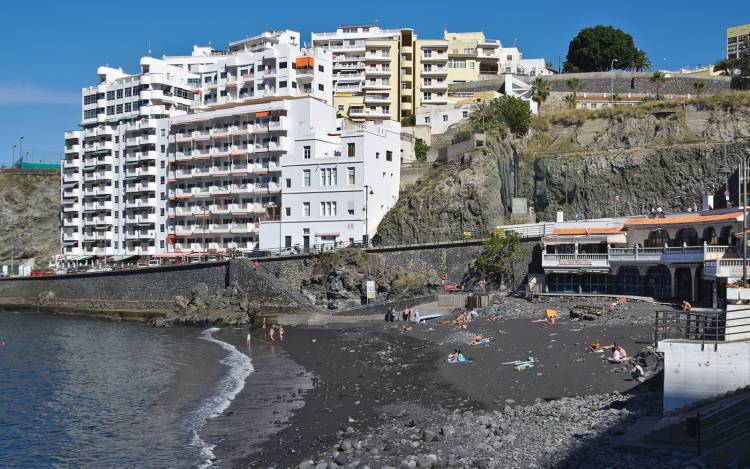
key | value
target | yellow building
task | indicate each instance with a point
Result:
(738, 41)
(389, 73)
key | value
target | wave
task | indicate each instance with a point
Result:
(240, 366)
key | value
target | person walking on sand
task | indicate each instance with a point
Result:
(249, 338)
(264, 323)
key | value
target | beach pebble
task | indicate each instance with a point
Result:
(346, 445)
(428, 436)
(306, 465)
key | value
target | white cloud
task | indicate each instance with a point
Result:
(25, 93)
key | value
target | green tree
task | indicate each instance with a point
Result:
(593, 49)
(698, 87)
(640, 61)
(616, 97)
(505, 259)
(420, 150)
(501, 113)
(658, 79)
(540, 92)
(409, 120)
(729, 67)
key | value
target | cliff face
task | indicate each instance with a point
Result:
(618, 162)
(470, 193)
(29, 207)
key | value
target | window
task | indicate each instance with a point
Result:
(427, 96)
(119, 94)
(288, 211)
(328, 209)
(328, 177)
(321, 68)
(350, 149)
(282, 84)
(389, 155)
(110, 95)
(117, 139)
(282, 64)
(377, 155)
(306, 208)
(321, 87)
(307, 151)
(445, 117)
(465, 114)
(306, 178)
(427, 119)
(127, 107)
(119, 109)
(90, 99)
(341, 107)
(288, 182)
(128, 92)
(350, 176)
(110, 110)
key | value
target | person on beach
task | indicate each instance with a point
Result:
(636, 371)
(249, 338)
(264, 323)
(405, 315)
(271, 332)
(551, 316)
(618, 354)
(596, 347)
(281, 332)
(686, 306)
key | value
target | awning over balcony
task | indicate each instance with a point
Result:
(304, 62)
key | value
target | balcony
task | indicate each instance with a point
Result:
(377, 86)
(378, 57)
(378, 72)
(142, 140)
(71, 237)
(242, 227)
(434, 58)
(99, 147)
(139, 202)
(105, 220)
(434, 72)
(377, 99)
(576, 261)
(136, 219)
(305, 74)
(75, 148)
(434, 86)
(134, 172)
(71, 164)
(348, 77)
(71, 194)
(688, 254)
(71, 207)
(73, 135)
(143, 187)
(97, 191)
(133, 157)
(97, 206)
(435, 100)
(140, 234)
(724, 268)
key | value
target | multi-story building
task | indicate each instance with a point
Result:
(187, 154)
(387, 74)
(114, 173)
(372, 71)
(738, 42)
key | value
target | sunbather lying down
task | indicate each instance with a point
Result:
(478, 340)
(406, 328)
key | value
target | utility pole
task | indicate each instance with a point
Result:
(612, 83)
(367, 228)
(20, 148)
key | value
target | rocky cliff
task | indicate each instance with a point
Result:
(592, 164)
(29, 206)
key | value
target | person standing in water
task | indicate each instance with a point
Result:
(271, 331)
(281, 332)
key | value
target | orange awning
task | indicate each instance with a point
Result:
(263, 114)
(303, 62)
(594, 230)
(658, 221)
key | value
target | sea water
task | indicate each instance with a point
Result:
(77, 392)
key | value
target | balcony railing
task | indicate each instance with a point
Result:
(706, 327)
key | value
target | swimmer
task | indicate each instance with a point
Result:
(281, 332)
(271, 332)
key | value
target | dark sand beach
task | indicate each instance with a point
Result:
(363, 377)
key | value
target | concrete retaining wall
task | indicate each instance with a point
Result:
(692, 374)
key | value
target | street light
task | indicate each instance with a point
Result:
(368, 192)
(20, 148)
(612, 84)
(14, 155)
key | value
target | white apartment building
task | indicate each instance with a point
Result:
(276, 174)
(113, 189)
(266, 66)
(336, 187)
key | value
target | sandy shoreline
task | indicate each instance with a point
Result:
(368, 376)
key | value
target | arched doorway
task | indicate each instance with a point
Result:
(709, 235)
(629, 281)
(683, 284)
(659, 282)
(657, 239)
(687, 236)
(726, 236)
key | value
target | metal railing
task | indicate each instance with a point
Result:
(705, 327)
(717, 427)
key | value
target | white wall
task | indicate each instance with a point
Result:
(439, 118)
(692, 374)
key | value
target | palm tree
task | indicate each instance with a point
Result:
(698, 87)
(570, 100)
(658, 78)
(725, 66)
(640, 61)
(575, 86)
(540, 92)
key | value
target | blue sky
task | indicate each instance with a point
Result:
(52, 48)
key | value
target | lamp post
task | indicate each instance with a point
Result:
(368, 192)
(743, 202)
(14, 156)
(20, 148)
(612, 82)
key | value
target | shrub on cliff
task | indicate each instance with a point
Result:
(505, 112)
(504, 260)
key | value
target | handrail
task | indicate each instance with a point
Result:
(704, 326)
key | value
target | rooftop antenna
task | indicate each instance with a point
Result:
(149, 48)
(515, 40)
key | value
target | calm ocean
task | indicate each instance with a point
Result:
(76, 392)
